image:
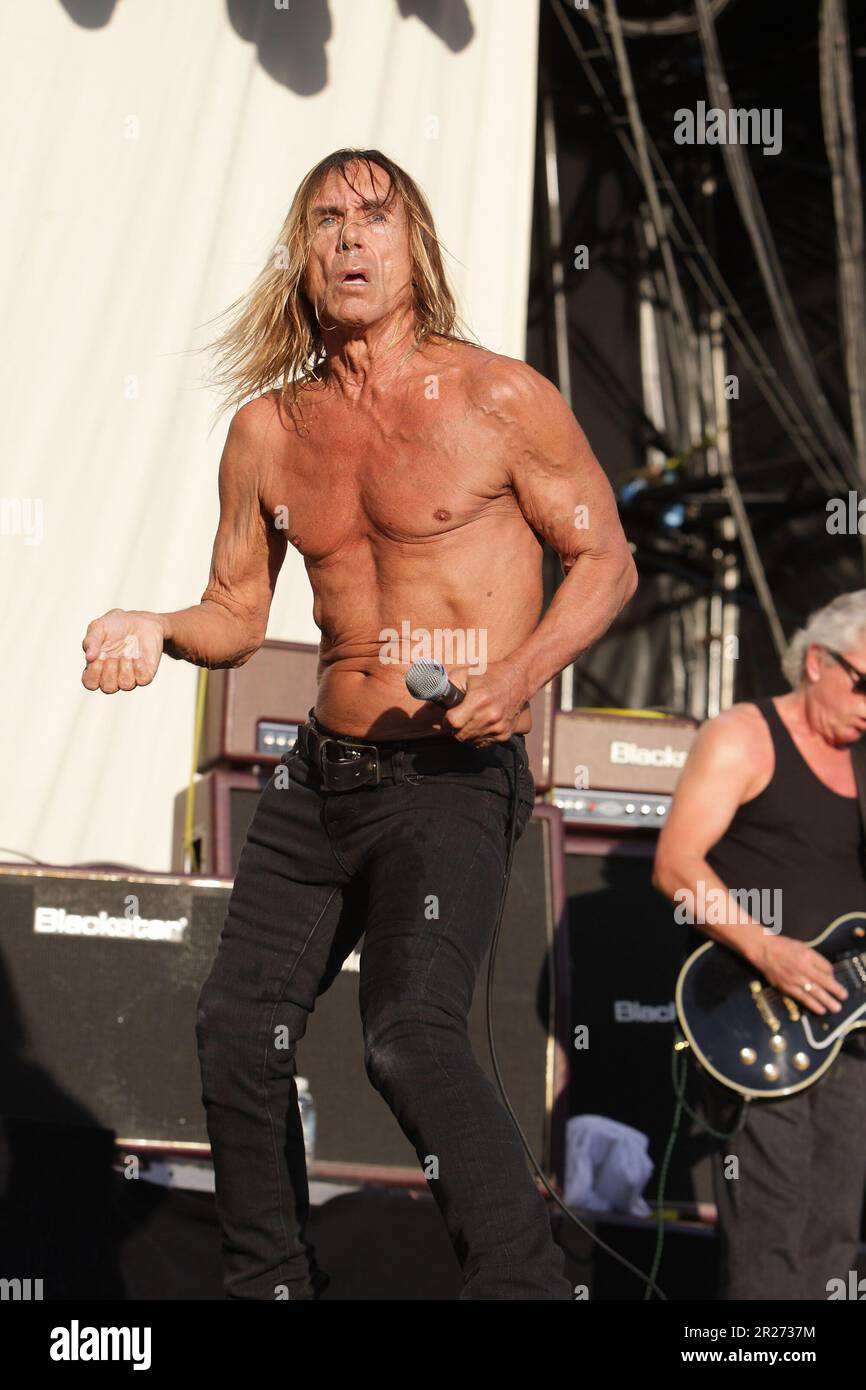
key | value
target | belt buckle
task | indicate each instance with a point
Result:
(356, 750)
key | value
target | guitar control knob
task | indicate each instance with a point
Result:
(777, 1043)
(801, 1061)
(748, 1056)
(770, 1071)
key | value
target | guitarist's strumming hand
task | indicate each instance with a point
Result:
(801, 973)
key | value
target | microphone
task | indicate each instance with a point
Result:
(428, 680)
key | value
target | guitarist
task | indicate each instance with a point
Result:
(768, 800)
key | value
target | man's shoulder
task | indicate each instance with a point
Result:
(263, 421)
(740, 731)
(256, 415)
(496, 381)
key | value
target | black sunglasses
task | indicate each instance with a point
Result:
(859, 677)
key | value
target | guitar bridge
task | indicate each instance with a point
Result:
(791, 1006)
(763, 1007)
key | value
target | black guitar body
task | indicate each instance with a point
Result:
(750, 1037)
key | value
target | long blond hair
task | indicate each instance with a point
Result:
(275, 338)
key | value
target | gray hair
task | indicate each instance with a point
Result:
(841, 624)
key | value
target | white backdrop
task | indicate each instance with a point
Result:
(150, 152)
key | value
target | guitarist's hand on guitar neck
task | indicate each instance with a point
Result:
(791, 966)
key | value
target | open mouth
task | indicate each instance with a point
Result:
(354, 277)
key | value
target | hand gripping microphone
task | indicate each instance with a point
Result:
(428, 680)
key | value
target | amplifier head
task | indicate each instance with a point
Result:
(252, 711)
(624, 751)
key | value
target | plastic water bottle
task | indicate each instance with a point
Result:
(308, 1116)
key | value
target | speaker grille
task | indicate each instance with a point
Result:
(626, 951)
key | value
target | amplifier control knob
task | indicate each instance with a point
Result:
(748, 1056)
(770, 1071)
(801, 1061)
(777, 1043)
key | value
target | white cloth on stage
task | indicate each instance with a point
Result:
(607, 1165)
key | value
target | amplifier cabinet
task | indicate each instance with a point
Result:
(224, 802)
(101, 973)
(626, 951)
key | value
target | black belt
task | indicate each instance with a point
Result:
(344, 763)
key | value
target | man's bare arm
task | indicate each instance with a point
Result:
(123, 648)
(229, 624)
(720, 773)
(566, 498)
(716, 779)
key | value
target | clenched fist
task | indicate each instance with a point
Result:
(122, 651)
(493, 707)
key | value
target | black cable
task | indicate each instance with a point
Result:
(679, 1085)
(627, 1264)
(663, 1173)
(700, 1119)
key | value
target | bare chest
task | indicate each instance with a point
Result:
(411, 475)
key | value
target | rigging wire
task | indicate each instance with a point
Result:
(711, 284)
(752, 212)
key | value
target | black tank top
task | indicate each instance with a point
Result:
(798, 836)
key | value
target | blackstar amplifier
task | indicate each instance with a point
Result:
(224, 803)
(626, 950)
(100, 974)
(618, 768)
(252, 712)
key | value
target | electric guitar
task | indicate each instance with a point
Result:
(754, 1039)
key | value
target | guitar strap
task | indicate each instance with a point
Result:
(858, 761)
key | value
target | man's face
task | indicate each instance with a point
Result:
(352, 234)
(844, 710)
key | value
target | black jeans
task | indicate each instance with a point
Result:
(416, 867)
(790, 1208)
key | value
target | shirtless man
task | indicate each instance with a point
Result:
(768, 800)
(420, 475)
